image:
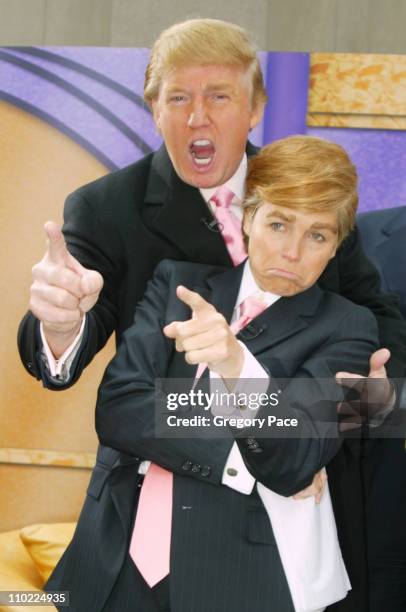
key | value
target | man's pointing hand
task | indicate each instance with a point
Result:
(62, 291)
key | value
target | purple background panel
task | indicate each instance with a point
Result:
(287, 83)
(94, 95)
(380, 158)
(85, 95)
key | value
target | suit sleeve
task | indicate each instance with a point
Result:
(360, 282)
(125, 411)
(96, 249)
(285, 460)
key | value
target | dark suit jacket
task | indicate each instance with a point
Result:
(383, 235)
(384, 238)
(224, 539)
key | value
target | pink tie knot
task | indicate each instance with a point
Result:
(223, 197)
(229, 224)
(252, 307)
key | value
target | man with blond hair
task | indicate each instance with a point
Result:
(206, 92)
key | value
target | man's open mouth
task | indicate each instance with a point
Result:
(202, 152)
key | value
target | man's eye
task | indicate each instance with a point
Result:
(317, 237)
(178, 99)
(277, 227)
(220, 96)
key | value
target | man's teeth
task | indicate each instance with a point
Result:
(201, 143)
(202, 161)
(202, 151)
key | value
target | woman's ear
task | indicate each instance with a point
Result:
(248, 215)
(334, 251)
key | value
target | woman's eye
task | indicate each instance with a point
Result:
(317, 237)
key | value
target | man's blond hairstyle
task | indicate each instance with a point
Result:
(203, 42)
(306, 174)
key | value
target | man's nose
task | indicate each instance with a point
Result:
(292, 249)
(198, 115)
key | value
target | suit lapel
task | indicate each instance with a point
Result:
(181, 214)
(283, 319)
(224, 289)
(392, 252)
(394, 257)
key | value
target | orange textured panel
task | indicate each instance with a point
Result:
(352, 83)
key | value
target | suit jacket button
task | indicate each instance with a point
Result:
(206, 471)
(196, 468)
(256, 449)
(187, 465)
(232, 472)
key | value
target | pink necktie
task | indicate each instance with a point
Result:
(230, 225)
(250, 308)
(151, 539)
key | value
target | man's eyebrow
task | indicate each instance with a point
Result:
(176, 88)
(223, 85)
(210, 87)
(280, 215)
(325, 226)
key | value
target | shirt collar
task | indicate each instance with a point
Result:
(236, 183)
(249, 288)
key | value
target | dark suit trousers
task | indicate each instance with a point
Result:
(131, 593)
(386, 511)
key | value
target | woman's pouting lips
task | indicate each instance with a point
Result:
(283, 273)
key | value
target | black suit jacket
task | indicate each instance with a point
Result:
(219, 537)
(383, 235)
(384, 238)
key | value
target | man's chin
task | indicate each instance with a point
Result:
(202, 181)
(284, 287)
(203, 178)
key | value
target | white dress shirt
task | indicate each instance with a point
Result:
(236, 184)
